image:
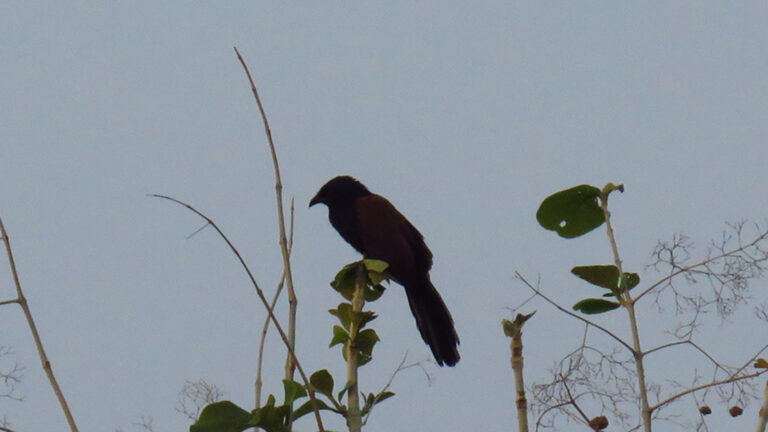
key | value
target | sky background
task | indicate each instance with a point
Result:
(464, 115)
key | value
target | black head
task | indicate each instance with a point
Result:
(340, 190)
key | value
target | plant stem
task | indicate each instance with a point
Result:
(22, 301)
(517, 367)
(763, 416)
(627, 302)
(354, 415)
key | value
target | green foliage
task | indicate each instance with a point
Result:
(572, 212)
(513, 328)
(607, 276)
(346, 279)
(221, 416)
(595, 306)
(371, 400)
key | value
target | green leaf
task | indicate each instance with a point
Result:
(345, 280)
(605, 276)
(629, 281)
(269, 417)
(344, 312)
(572, 212)
(364, 343)
(364, 317)
(339, 336)
(513, 328)
(381, 397)
(221, 416)
(293, 391)
(595, 306)
(372, 293)
(322, 382)
(307, 408)
(374, 265)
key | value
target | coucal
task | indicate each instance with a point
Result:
(374, 227)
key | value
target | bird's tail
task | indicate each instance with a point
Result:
(434, 321)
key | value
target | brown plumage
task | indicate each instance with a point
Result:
(374, 227)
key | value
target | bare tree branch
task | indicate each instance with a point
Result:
(263, 299)
(22, 301)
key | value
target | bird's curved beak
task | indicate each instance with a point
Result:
(317, 199)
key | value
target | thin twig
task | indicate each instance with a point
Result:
(626, 300)
(699, 264)
(265, 328)
(22, 301)
(704, 386)
(567, 312)
(264, 301)
(572, 400)
(292, 300)
(400, 367)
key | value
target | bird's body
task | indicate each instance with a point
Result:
(376, 229)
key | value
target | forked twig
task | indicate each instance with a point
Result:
(22, 301)
(264, 301)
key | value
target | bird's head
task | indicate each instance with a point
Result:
(339, 190)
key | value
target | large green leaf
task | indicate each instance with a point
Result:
(322, 382)
(572, 212)
(293, 391)
(595, 306)
(221, 416)
(269, 417)
(345, 279)
(606, 276)
(364, 342)
(344, 312)
(340, 336)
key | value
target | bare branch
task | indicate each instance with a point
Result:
(263, 299)
(569, 313)
(35, 335)
(194, 396)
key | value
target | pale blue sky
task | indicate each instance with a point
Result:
(464, 115)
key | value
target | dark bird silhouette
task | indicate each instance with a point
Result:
(374, 227)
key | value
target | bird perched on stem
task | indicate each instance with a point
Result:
(374, 227)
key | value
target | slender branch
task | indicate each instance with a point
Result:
(258, 385)
(572, 400)
(292, 300)
(626, 300)
(5, 302)
(567, 312)
(22, 301)
(763, 414)
(400, 367)
(517, 363)
(699, 264)
(704, 386)
(263, 299)
(5, 429)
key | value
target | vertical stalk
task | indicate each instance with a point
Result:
(22, 301)
(628, 303)
(354, 415)
(517, 367)
(763, 416)
(290, 365)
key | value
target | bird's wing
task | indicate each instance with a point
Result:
(387, 235)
